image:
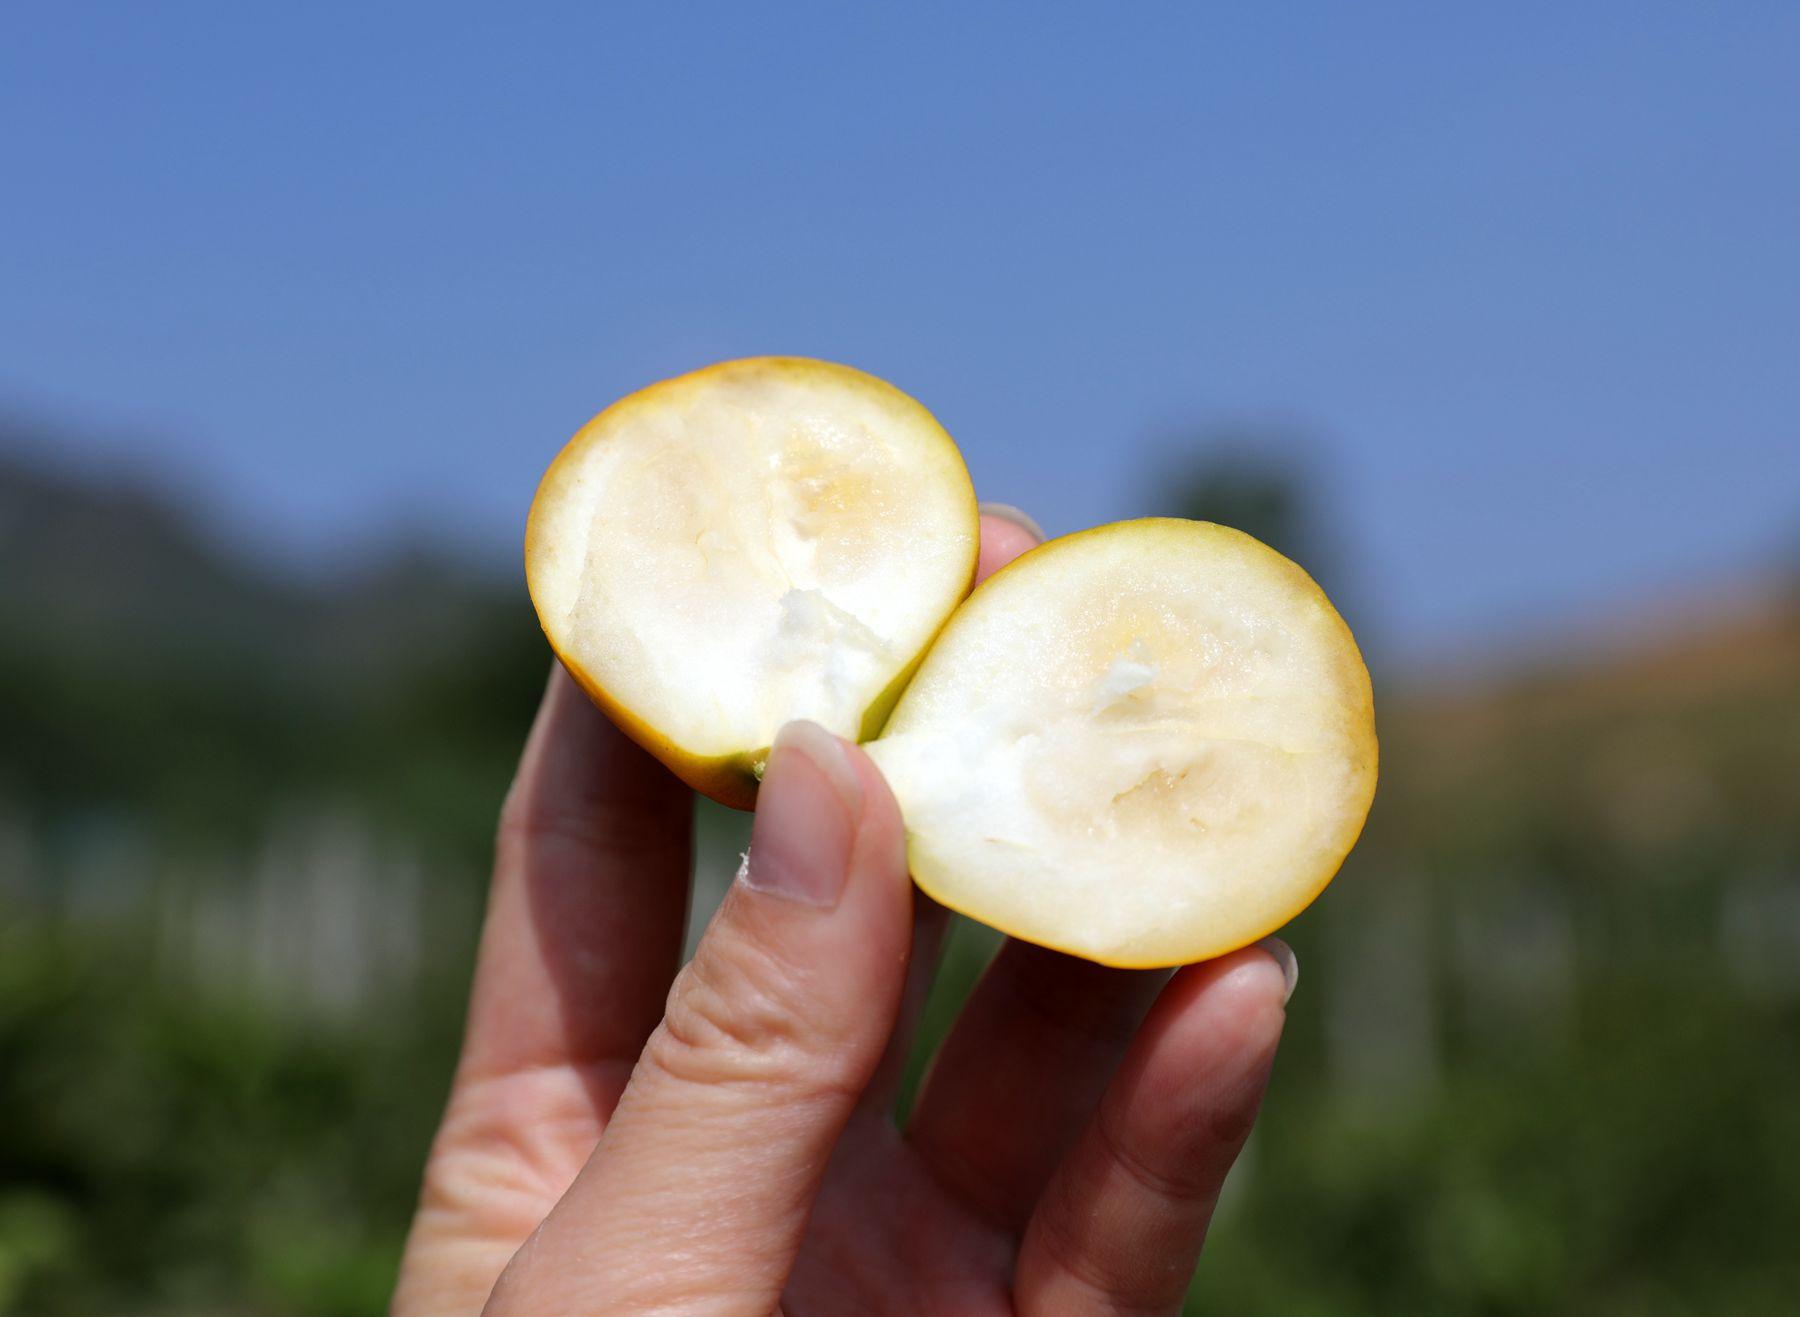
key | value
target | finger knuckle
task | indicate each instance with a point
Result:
(739, 1015)
(528, 826)
(1177, 1183)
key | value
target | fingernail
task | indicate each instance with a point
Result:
(1284, 957)
(806, 813)
(1020, 518)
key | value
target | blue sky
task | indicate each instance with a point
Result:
(1528, 273)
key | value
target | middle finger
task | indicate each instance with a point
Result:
(1021, 1072)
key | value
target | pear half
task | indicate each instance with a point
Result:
(758, 541)
(1146, 744)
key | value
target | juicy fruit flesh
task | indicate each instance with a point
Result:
(1146, 744)
(760, 541)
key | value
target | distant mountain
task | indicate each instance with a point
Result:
(143, 664)
(88, 560)
(120, 570)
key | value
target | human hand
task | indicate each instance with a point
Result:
(728, 1145)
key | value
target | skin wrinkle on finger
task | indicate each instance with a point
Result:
(745, 1001)
(736, 1017)
(537, 1126)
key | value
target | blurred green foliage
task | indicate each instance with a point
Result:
(1544, 1056)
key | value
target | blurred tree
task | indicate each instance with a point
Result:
(1251, 480)
(1262, 479)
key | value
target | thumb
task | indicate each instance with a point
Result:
(701, 1186)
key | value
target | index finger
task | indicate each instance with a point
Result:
(585, 920)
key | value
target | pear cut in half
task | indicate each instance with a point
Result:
(1145, 744)
(758, 541)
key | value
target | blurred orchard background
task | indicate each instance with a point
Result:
(1490, 317)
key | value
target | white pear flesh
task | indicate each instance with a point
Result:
(1145, 744)
(759, 541)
